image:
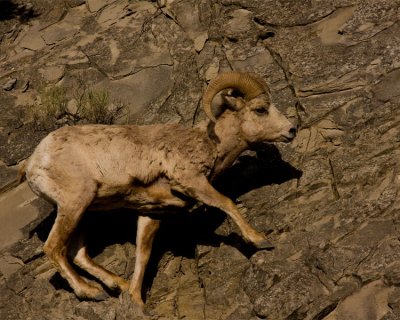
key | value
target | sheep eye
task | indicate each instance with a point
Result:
(261, 111)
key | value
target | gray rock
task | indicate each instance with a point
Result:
(33, 41)
(59, 32)
(52, 73)
(75, 3)
(16, 213)
(141, 88)
(8, 178)
(27, 249)
(8, 266)
(10, 84)
(388, 87)
(240, 23)
(96, 5)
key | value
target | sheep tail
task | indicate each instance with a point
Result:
(22, 172)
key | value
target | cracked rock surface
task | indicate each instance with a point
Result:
(329, 201)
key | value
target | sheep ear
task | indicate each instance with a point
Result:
(234, 103)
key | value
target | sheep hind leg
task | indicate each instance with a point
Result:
(56, 248)
(83, 260)
(146, 231)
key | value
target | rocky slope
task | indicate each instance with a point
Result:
(329, 201)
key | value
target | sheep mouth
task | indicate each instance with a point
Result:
(287, 138)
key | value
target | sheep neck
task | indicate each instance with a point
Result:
(231, 142)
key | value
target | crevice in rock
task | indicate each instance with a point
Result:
(238, 4)
(59, 18)
(266, 35)
(196, 112)
(333, 183)
(93, 64)
(325, 312)
(169, 15)
(321, 92)
(367, 256)
(373, 35)
(262, 22)
(137, 70)
(312, 122)
(201, 282)
(288, 77)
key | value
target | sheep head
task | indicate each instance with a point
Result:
(249, 98)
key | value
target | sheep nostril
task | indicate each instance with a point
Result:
(293, 131)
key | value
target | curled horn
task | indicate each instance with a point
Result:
(246, 83)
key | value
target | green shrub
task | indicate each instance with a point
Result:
(95, 107)
(91, 105)
(51, 107)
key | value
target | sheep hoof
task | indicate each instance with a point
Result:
(132, 304)
(92, 292)
(264, 244)
(101, 296)
(118, 284)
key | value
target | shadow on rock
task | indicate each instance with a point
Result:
(10, 10)
(264, 167)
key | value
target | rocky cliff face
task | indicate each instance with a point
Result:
(329, 201)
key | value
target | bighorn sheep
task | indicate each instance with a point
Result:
(151, 169)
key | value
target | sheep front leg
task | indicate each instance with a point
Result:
(146, 231)
(200, 189)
